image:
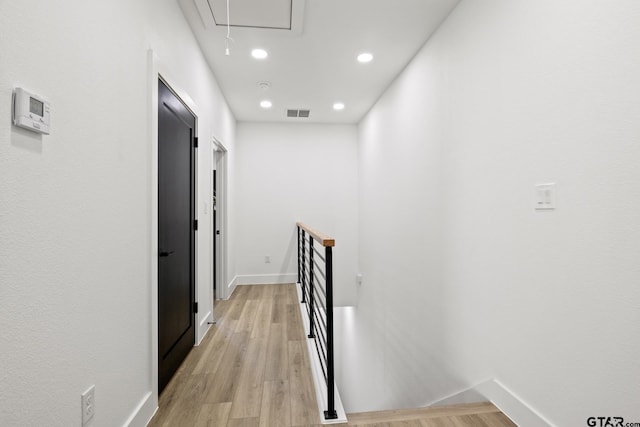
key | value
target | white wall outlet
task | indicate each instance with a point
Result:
(545, 197)
(88, 405)
(359, 279)
(267, 259)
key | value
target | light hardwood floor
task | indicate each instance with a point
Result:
(252, 369)
(469, 415)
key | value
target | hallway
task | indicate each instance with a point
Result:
(484, 202)
(252, 368)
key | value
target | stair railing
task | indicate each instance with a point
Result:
(315, 275)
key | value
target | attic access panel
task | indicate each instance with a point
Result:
(274, 14)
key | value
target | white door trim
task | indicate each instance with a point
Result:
(159, 70)
(220, 156)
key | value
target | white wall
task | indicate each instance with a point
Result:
(296, 172)
(75, 206)
(471, 283)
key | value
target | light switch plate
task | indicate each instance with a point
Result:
(88, 405)
(545, 197)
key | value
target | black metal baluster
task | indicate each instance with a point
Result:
(311, 301)
(298, 235)
(304, 277)
(330, 413)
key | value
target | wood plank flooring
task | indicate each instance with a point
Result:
(469, 415)
(252, 370)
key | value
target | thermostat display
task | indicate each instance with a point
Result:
(36, 107)
(31, 112)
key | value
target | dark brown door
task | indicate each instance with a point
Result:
(176, 235)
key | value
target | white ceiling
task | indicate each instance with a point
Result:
(312, 62)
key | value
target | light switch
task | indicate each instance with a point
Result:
(545, 196)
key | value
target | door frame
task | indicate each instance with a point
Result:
(219, 159)
(186, 342)
(159, 70)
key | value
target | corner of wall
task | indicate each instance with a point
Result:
(231, 286)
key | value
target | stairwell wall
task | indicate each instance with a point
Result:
(471, 282)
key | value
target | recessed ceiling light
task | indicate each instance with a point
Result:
(338, 106)
(259, 53)
(266, 104)
(365, 57)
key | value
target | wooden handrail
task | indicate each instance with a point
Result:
(323, 239)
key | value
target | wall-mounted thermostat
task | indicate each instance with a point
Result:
(31, 111)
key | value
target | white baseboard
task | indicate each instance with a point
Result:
(232, 286)
(266, 279)
(204, 327)
(469, 395)
(504, 399)
(318, 376)
(143, 412)
(512, 405)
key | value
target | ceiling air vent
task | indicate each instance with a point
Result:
(298, 113)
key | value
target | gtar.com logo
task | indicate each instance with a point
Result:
(605, 422)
